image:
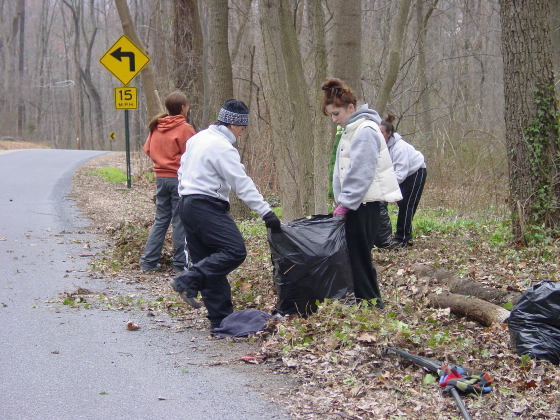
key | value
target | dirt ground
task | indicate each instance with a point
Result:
(16, 145)
(359, 381)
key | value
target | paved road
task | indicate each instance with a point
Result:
(57, 363)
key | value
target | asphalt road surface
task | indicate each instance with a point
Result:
(59, 363)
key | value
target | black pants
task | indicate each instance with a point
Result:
(361, 229)
(216, 248)
(411, 189)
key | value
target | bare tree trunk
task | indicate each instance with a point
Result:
(299, 101)
(13, 60)
(554, 22)
(187, 33)
(347, 48)
(424, 102)
(241, 29)
(21, 104)
(205, 75)
(148, 81)
(85, 75)
(222, 82)
(162, 53)
(322, 140)
(280, 121)
(395, 57)
(43, 39)
(532, 135)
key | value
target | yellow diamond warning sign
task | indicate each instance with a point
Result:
(124, 60)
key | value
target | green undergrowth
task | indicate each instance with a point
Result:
(337, 325)
(113, 175)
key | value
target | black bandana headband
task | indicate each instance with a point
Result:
(233, 118)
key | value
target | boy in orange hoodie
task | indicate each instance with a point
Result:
(165, 145)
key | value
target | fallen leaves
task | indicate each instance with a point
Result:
(131, 326)
(376, 386)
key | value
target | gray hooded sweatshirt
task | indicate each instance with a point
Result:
(364, 153)
(406, 159)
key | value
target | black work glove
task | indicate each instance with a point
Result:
(272, 222)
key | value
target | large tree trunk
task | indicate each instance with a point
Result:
(222, 80)
(422, 74)
(148, 80)
(554, 22)
(187, 34)
(394, 59)
(322, 140)
(160, 49)
(530, 115)
(280, 121)
(347, 48)
(299, 101)
(205, 72)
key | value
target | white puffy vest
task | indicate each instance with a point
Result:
(384, 186)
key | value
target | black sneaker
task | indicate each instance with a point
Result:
(191, 301)
(156, 268)
(395, 246)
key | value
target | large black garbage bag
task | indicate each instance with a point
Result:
(535, 322)
(310, 259)
(383, 238)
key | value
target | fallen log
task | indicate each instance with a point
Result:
(467, 287)
(485, 313)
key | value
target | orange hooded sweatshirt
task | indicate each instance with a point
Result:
(166, 144)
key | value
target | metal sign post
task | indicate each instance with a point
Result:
(125, 60)
(127, 141)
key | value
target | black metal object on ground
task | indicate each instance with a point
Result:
(434, 366)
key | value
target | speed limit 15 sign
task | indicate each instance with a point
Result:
(126, 98)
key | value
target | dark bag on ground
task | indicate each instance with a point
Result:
(311, 263)
(242, 323)
(534, 322)
(383, 238)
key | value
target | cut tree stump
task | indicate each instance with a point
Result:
(485, 313)
(467, 287)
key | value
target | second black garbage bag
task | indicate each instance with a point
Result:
(311, 263)
(534, 322)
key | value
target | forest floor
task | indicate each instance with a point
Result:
(337, 356)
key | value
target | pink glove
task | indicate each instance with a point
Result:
(340, 211)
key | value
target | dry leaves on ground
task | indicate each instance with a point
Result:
(338, 354)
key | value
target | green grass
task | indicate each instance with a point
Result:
(113, 175)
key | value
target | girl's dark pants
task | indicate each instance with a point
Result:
(216, 248)
(411, 189)
(361, 229)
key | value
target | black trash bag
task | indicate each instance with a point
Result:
(535, 322)
(311, 263)
(383, 238)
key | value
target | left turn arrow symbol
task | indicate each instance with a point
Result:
(118, 54)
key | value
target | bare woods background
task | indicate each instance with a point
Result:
(436, 65)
